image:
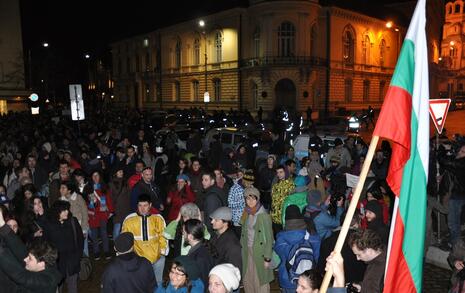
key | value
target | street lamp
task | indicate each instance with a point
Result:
(206, 95)
(390, 25)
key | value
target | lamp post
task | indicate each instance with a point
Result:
(206, 95)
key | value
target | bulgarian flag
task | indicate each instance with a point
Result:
(404, 120)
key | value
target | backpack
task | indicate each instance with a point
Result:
(300, 258)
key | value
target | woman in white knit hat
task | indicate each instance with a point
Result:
(224, 278)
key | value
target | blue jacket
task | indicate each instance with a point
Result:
(197, 287)
(324, 222)
(284, 241)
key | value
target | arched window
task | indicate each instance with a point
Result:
(196, 52)
(348, 51)
(348, 89)
(177, 60)
(286, 39)
(457, 8)
(219, 46)
(256, 42)
(217, 88)
(313, 40)
(382, 52)
(366, 44)
(450, 10)
(195, 90)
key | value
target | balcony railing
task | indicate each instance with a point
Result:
(281, 60)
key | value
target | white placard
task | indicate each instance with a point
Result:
(352, 180)
(77, 110)
(75, 92)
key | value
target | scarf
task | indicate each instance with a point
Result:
(254, 210)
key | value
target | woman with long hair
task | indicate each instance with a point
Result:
(174, 230)
(100, 206)
(65, 233)
(35, 221)
(184, 277)
(179, 195)
(121, 197)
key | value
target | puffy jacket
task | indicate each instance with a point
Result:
(197, 287)
(128, 273)
(284, 242)
(279, 192)
(149, 241)
(324, 222)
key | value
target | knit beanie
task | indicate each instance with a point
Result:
(190, 266)
(375, 207)
(228, 274)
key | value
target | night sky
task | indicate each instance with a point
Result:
(74, 28)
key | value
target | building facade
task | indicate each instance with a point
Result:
(290, 53)
(12, 78)
(452, 62)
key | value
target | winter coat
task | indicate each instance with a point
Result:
(14, 276)
(457, 253)
(204, 260)
(279, 192)
(228, 248)
(214, 198)
(265, 178)
(324, 222)
(285, 240)
(197, 287)
(178, 200)
(196, 182)
(262, 245)
(148, 235)
(299, 199)
(373, 280)
(78, 208)
(128, 273)
(120, 197)
(100, 208)
(147, 188)
(353, 268)
(178, 247)
(68, 243)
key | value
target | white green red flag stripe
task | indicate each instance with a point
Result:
(404, 120)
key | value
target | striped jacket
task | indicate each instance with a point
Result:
(149, 241)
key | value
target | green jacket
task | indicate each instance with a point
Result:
(262, 246)
(170, 234)
(299, 199)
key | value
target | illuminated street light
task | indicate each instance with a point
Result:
(452, 43)
(201, 23)
(87, 56)
(45, 44)
(389, 24)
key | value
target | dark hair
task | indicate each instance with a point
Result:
(290, 162)
(375, 192)
(366, 238)
(313, 277)
(29, 187)
(43, 251)
(179, 267)
(195, 159)
(210, 174)
(64, 162)
(58, 207)
(281, 167)
(144, 197)
(195, 228)
(70, 185)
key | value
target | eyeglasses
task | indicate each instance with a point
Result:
(177, 273)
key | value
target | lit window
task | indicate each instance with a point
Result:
(219, 46)
(286, 39)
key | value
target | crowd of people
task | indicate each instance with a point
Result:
(185, 220)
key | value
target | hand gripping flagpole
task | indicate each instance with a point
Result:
(351, 210)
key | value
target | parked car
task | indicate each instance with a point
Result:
(230, 137)
(181, 133)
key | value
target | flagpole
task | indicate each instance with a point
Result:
(352, 207)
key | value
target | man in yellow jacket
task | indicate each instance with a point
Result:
(148, 235)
